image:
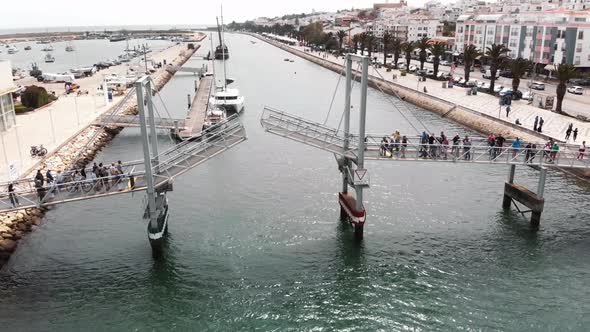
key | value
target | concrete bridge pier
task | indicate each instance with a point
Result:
(534, 201)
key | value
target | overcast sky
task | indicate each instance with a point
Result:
(57, 13)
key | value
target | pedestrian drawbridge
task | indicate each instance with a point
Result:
(171, 163)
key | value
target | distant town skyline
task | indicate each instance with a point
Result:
(65, 13)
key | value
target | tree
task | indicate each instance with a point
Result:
(363, 42)
(35, 97)
(370, 43)
(408, 48)
(423, 44)
(437, 50)
(470, 53)
(519, 67)
(314, 33)
(356, 39)
(564, 73)
(496, 54)
(387, 39)
(340, 34)
(396, 48)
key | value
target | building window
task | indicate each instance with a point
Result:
(7, 119)
(579, 47)
(581, 35)
(577, 60)
(580, 19)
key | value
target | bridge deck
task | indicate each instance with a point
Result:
(329, 139)
(133, 121)
(196, 115)
(173, 162)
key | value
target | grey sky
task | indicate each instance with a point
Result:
(52, 13)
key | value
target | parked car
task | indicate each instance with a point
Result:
(488, 74)
(430, 72)
(578, 90)
(506, 73)
(505, 91)
(445, 63)
(457, 79)
(484, 86)
(441, 76)
(401, 66)
(498, 88)
(527, 95)
(537, 85)
(472, 82)
(413, 68)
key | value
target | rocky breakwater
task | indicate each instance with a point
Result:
(14, 225)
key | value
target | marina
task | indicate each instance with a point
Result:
(255, 235)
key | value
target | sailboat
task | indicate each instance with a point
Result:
(224, 97)
(49, 58)
(69, 48)
(48, 48)
(221, 51)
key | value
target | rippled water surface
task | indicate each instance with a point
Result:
(255, 242)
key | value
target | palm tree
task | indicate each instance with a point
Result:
(563, 73)
(370, 43)
(423, 44)
(496, 53)
(396, 48)
(437, 50)
(470, 53)
(363, 42)
(408, 48)
(356, 39)
(518, 67)
(387, 39)
(340, 34)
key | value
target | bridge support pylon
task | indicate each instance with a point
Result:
(517, 193)
(351, 207)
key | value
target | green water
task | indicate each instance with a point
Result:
(255, 244)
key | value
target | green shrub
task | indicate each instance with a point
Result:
(20, 108)
(35, 97)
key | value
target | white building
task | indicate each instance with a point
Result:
(408, 27)
(547, 37)
(7, 87)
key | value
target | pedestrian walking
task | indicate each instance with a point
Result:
(508, 111)
(499, 143)
(568, 132)
(581, 151)
(39, 178)
(12, 195)
(533, 153)
(536, 123)
(554, 151)
(540, 127)
(491, 144)
(455, 149)
(575, 134)
(445, 147)
(49, 177)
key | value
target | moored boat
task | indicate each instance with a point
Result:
(49, 58)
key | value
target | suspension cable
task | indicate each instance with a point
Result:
(335, 91)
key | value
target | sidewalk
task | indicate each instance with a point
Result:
(56, 123)
(555, 124)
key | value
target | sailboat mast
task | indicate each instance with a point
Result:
(213, 62)
(223, 50)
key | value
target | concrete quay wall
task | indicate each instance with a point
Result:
(15, 225)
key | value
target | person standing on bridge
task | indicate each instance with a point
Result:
(581, 151)
(527, 157)
(499, 143)
(39, 178)
(455, 149)
(491, 143)
(554, 151)
(568, 132)
(404, 146)
(536, 123)
(515, 147)
(12, 196)
(575, 134)
(466, 148)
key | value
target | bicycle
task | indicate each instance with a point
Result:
(38, 151)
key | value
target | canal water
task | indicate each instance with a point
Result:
(255, 242)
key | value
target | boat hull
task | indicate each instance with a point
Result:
(157, 234)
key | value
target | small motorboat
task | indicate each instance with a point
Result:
(49, 58)
(69, 48)
(27, 48)
(286, 59)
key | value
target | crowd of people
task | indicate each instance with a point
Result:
(98, 177)
(439, 147)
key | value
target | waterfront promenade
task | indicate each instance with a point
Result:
(64, 118)
(484, 104)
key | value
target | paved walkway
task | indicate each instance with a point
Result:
(555, 124)
(54, 124)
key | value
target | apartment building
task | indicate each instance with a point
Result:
(7, 87)
(551, 36)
